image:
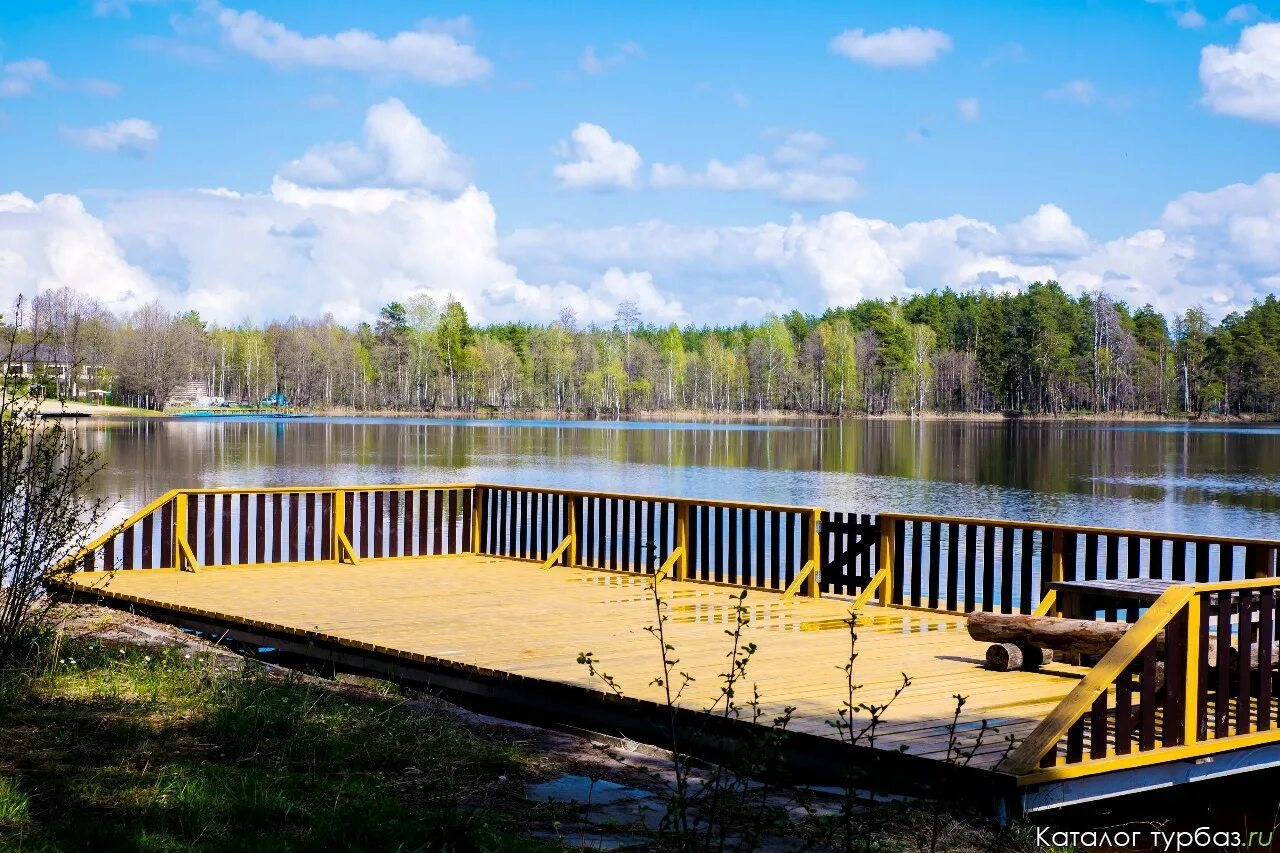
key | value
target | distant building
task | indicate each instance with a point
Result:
(44, 365)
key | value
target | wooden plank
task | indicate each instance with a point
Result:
(1006, 569)
(970, 568)
(1203, 566)
(1245, 671)
(454, 530)
(1222, 698)
(1266, 636)
(1124, 712)
(990, 600)
(166, 535)
(208, 555)
(277, 517)
(915, 530)
(953, 566)
(437, 523)
(935, 563)
(308, 527)
(1147, 689)
(1026, 597)
(148, 533)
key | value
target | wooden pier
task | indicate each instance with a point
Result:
(492, 592)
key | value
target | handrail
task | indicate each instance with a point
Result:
(1052, 728)
(110, 533)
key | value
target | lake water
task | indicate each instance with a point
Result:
(1205, 479)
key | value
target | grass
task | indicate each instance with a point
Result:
(129, 748)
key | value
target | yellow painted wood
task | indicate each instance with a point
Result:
(572, 506)
(186, 557)
(682, 541)
(443, 608)
(346, 547)
(877, 582)
(887, 545)
(1047, 604)
(180, 544)
(1028, 754)
(815, 552)
(1191, 684)
(558, 552)
(803, 578)
(339, 525)
(665, 569)
(477, 517)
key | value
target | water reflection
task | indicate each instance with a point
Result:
(1161, 477)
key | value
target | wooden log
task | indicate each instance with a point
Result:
(1073, 636)
(1006, 657)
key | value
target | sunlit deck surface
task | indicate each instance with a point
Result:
(498, 618)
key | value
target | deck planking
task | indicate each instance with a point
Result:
(510, 616)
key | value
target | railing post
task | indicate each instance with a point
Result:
(339, 523)
(1191, 689)
(571, 525)
(179, 528)
(887, 545)
(1057, 567)
(682, 540)
(815, 552)
(477, 517)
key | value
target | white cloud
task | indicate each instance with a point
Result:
(25, 76)
(56, 243)
(594, 160)
(1218, 249)
(133, 137)
(1244, 81)
(398, 151)
(1075, 91)
(432, 53)
(1190, 19)
(120, 8)
(800, 169)
(970, 109)
(592, 62)
(1242, 14)
(899, 47)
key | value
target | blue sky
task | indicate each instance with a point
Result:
(861, 149)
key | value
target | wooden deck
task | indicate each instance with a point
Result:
(508, 617)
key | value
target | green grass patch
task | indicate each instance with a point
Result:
(117, 748)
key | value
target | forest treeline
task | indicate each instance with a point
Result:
(1038, 351)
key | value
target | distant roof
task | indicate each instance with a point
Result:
(38, 354)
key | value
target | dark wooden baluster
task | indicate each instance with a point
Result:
(1226, 562)
(1175, 679)
(1124, 711)
(706, 534)
(468, 501)
(406, 524)
(1156, 555)
(379, 515)
(1179, 559)
(899, 560)
(775, 568)
(1202, 562)
(1202, 687)
(1070, 545)
(437, 523)
(935, 563)
(326, 527)
(1147, 686)
(1075, 741)
(260, 525)
(166, 536)
(953, 566)
(1113, 572)
(277, 516)
(917, 561)
(732, 560)
(309, 528)
(126, 546)
(758, 519)
(1091, 556)
(1222, 700)
(224, 509)
(210, 534)
(148, 531)
(1006, 569)
(454, 527)
(1244, 670)
(1098, 727)
(721, 557)
(989, 598)
(109, 554)
(1026, 597)
(970, 568)
(293, 541)
(1266, 635)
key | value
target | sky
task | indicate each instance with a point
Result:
(712, 163)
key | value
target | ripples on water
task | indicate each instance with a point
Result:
(1223, 480)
